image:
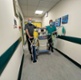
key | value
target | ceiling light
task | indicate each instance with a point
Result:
(38, 12)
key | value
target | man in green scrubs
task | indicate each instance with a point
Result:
(50, 29)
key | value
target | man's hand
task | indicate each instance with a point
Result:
(30, 37)
(28, 34)
(55, 33)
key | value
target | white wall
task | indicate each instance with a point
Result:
(72, 8)
(9, 35)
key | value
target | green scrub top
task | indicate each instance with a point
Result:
(50, 29)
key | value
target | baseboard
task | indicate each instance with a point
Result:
(77, 64)
(20, 70)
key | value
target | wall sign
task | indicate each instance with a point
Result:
(15, 23)
(54, 23)
(58, 22)
(65, 19)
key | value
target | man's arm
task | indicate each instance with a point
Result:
(34, 26)
(55, 31)
(46, 30)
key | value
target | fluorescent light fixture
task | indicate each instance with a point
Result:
(38, 12)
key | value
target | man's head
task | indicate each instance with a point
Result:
(51, 22)
(30, 20)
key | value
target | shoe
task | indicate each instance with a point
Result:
(52, 50)
(35, 61)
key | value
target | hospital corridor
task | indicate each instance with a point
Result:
(40, 40)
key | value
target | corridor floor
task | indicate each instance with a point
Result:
(49, 67)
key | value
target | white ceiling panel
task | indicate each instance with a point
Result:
(29, 7)
(45, 0)
(33, 2)
(24, 7)
(23, 2)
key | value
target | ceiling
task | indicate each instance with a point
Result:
(29, 7)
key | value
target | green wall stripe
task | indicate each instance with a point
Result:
(71, 39)
(4, 59)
